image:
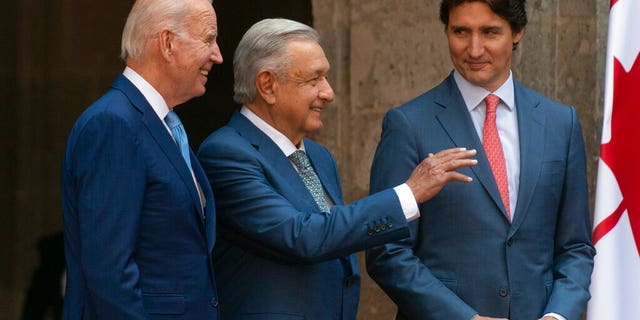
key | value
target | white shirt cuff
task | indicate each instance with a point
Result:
(408, 203)
(555, 315)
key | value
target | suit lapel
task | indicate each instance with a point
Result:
(210, 224)
(531, 122)
(160, 135)
(463, 134)
(276, 158)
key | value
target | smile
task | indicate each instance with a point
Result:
(476, 65)
(204, 73)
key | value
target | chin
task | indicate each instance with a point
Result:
(200, 92)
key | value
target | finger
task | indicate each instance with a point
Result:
(458, 153)
(457, 176)
(458, 164)
(447, 152)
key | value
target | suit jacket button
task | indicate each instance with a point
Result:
(383, 227)
(214, 302)
(370, 232)
(503, 292)
(377, 228)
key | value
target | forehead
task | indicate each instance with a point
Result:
(474, 14)
(202, 17)
(307, 56)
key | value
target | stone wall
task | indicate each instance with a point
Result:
(385, 52)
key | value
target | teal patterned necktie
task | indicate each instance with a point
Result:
(310, 178)
(173, 121)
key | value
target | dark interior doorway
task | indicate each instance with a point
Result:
(205, 114)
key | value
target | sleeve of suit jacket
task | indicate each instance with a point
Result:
(573, 260)
(109, 176)
(394, 266)
(261, 219)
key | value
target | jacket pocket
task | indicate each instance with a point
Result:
(164, 303)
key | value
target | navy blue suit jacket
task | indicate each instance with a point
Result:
(277, 255)
(137, 246)
(464, 257)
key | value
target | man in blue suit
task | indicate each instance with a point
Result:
(515, 243)
(139, 215)
(286, 239)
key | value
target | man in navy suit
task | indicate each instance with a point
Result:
(515, 243)
(285, 239)
(139, 215)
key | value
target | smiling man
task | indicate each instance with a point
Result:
(515, 243)
(139, 215)
(285, 239)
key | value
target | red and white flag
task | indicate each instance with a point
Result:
(615, 286)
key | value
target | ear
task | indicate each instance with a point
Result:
(518, 36)
(166, 43)
(266, 84)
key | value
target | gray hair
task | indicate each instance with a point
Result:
(263, 47)
(147, 18)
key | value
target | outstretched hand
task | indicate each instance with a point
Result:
(428, 178)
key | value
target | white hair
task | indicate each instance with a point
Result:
(147, 18)
(263, 47)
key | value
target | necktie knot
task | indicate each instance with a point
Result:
(172, 120)
(492, 102)
(301, 160)
(309, 178)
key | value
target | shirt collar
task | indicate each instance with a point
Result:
(276, 136)
(149, 92)
(474, 95)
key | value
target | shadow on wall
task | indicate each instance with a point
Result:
(44, 297)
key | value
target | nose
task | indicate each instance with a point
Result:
(476, 46)
(216, 55)
(326, 92)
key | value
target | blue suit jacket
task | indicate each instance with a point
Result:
(136, 244)
(277, 256)
(463, 256)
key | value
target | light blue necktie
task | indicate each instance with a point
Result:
(310, 178)
(179, 135)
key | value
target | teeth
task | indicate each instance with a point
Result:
(204, 72)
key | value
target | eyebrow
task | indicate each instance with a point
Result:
(211, 34)
(490, 28)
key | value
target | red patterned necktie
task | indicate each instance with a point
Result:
(493, 149)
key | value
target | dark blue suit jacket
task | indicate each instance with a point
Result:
(463, 256)
(277, 256)
(136, 244)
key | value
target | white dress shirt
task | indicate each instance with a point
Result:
(404, 193)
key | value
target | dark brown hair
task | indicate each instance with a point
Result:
(511, 10)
